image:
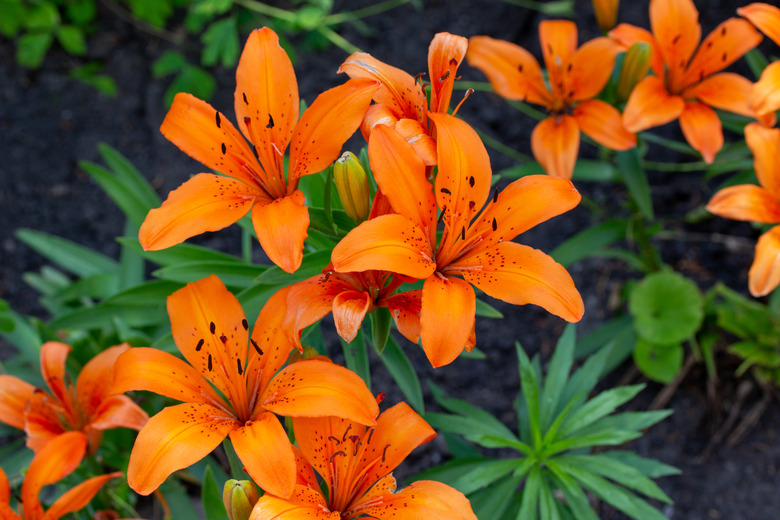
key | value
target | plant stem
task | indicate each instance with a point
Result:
(338, 40)
(363, 12)
(127, 16)
(267, 10)
(669, 143)
(502, 148)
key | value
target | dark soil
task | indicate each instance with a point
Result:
(49, 123)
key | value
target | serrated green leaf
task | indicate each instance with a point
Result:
(72, 39)
(156, 13)
(660, 363)
(42, 16)
(211, 496)
(403, 373)
(193, 80)
(170, 62)
(71, 256)
(31, 48)
(667, 308)
(221, 44)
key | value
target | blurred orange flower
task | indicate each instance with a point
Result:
(231, 385)
(53, 462)
(758, 204)
(475, 245)
(765, 97)
(575, 77)
(686, 84)
(267, 106)
(88, 407)
(401, 102)
(356, 464)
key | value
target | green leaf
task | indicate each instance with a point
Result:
(221, 44)
(494, 500)
(13, 17)
(42, 16)
(530, 391)
(575, 496)
(647, 467)
(600, 406)
(72, 257)
(88, 74)
(468, 476)
(156, 13)
(178, 254)
(630, 165)
(233, 274)
(170, 62)
(557, 374)
(179, 502)
(589, 241)
(211, 496)
(595, 171)
(667, 308)
(192, 80)
(72, 40)
(98, 286)
(404, 374)
(31, 48)
(756, 61)
(356, 357)
(380, 328)
(23, 336)
(312, 265)
(80, 12)
(102, 316)
(531, 491)
(660, 363)
(487, 311)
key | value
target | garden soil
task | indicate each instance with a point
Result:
(48, 123)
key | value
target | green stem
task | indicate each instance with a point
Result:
(502, 148)
(669, 143)
(267, 10)
(363, 12)
(246, 245)
(675, 167)
(338, 40)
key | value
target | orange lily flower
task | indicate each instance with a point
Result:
(53, 462)
(401, 102)
(685, 84)
(758, 204)
(267, 105)
(356, 464)
(765, 97)
(476, 246)
(576, 76)
(88, 407)
(231, 385)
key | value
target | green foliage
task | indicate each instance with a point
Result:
(558, 426)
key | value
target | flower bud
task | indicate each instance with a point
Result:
(636, 63)
(352, 185)
(606, 13)
(239, 497)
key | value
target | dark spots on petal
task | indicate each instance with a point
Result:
(495, 195)
(199, 345)
(224, 149)
(240, 370)
(520, 68)
(725, 55)
(463, 233)
(210, 366)
(445, 190)
(453, 62)
(495, 224)
(244, 96)
(384, 452)
(212, 327)
(270, 122)
(723, 31)
(471, 181)
(219, 123)
(245, 324)
(256, 347)
(223, 338)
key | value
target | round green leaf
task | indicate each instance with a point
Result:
(660, 363)
(667, 308)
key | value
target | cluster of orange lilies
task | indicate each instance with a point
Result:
(435, 219)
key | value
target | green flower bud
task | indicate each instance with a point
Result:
(635, 66)
(352, 185)
(606, 13)
(239, 497)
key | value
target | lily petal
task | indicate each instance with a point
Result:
(513, 72)
(207, 323)
(702, 129)
(746, 202)
(118, 411)
(349, 310)
(462, 184)
(650, 105)
(5, 488)
(43, 420)
(199, 130)
(765, 96)
(93, 385)
(555, 142)
(675, 25)
(583, 80)
(423, 500)
(307, 503)
(312, 299)
(727, 91)
(541, 198)
(627, 35)
(153, 370)
(206, 202)
(386, 243)
(764, 274)
(424, 145)
(405, 308)
(519, 274)
(57, 459)
(14, 394)
(446, 318)
(282, 227)
(400, 174)
(604, 124)
(175, 438)
(53, 357)
(764, 16)
(400, 91)
(314, 388)
(266, 102)
(558, 39)
(267, 455)
(765, 144)
(330, 120)
(78, 496)
(728, 42)
(445, 54)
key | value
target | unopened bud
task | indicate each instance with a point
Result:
(352, 185)
(606, 13)
(239, 497)
(636, 63)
